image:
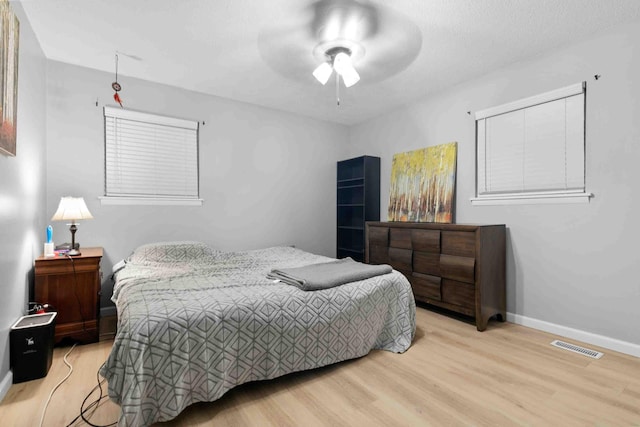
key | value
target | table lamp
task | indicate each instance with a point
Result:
(72, 209)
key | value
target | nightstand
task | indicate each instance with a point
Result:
(72, 286)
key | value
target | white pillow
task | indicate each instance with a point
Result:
(170, 252)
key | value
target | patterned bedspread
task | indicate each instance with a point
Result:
(194, 323)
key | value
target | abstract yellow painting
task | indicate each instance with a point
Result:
(423, 184)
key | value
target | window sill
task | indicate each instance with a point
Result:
(529, 199)
(165, 201)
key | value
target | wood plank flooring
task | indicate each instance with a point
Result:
(452, 375)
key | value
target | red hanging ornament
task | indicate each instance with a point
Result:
(116, 86)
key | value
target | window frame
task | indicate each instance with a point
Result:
(557, 195)
(147, 118)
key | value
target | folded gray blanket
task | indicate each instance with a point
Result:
(327, 275)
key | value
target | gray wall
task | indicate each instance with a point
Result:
(267, 178)
(22, 192)
(571, 268)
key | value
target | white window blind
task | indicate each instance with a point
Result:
(533, 148)
(149, 156)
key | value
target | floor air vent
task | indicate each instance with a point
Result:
(577, 349)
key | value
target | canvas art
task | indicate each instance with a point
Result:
(423, 184)
(9, 39)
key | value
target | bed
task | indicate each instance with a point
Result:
(194, 322)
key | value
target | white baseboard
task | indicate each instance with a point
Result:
(5, 384)
(576, 334)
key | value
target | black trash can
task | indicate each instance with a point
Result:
(31, 346)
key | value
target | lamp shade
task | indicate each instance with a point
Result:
(71, 209)
(344, 67)
(342, 62)
(350, 77)
(323, 72)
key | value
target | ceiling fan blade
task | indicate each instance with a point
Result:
(383, 41)
(343, 20)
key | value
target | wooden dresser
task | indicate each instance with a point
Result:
(454, 266)
(72, 286)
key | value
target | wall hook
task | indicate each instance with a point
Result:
(597, 76)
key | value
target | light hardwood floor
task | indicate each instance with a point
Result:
(452, 375)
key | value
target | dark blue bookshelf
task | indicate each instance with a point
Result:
(358, 202)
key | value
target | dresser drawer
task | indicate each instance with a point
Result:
(460, 243)
(425, 286)
(425, 240)
(459, 293)
(379, 236)
(378, 254)
(426, 263)
(458, 268)
(400, 259)
(400, 238)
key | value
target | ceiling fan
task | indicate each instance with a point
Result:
(339, 59)
(355, 38)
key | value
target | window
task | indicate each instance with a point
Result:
(150, 159)
(533, 150)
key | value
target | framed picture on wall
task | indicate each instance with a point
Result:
(423, 184)
(9, 41)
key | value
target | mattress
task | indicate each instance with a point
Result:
(194, 323)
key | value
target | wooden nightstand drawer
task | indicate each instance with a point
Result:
(72, 286)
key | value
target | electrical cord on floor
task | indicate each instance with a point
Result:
(44, 410)
(93, 405)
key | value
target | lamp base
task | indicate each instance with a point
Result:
(67, 246)
(74, 252)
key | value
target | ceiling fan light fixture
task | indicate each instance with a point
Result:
(342, 65)
(339, 59)
(342, 62)
(350, 78)
(323, 72)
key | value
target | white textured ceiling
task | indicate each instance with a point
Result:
(261, 52)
